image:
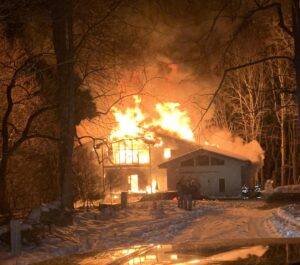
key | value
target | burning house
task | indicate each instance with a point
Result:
(143, 155)
(137, 146)
(133, 163)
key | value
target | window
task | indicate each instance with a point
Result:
(133, 182)
(221, 185)
(217, 162)
(202, 160)
(187, 163)
(167, 153)
(129, 152)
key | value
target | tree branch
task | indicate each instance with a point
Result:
(112, 8)
(277, 6)
(39, 135)
(29, 122)
(234, 68)
(251, 13)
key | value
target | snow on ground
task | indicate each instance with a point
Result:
(288, 189)
(287, 221)
(232, 220)
(141, 223)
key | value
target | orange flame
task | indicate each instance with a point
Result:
(131, 126)
(131, 123)
(128, 122)
(174, 120)
(209, 144)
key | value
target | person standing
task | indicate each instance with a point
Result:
(179, 188)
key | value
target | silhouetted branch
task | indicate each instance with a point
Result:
(277, 6)
(251, 13)
(234, 68)
(29, 122)
(39, 135)
(113, 7)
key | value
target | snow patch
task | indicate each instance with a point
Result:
(286, 222)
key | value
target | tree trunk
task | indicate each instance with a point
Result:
(296, 35)
(4, 205)
(63, 44)
(282, 136)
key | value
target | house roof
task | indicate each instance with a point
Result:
(210, 149)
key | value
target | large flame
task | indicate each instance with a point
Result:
(129, 136)
(131, 122)
(128, 122)
(174, 120)
(132, 134)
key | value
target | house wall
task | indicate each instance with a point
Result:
(235, 172)
(151, 171)
(178, 147)
(208, 176)
(116, 179)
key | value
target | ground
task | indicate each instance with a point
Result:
(231, 220)
(145, 222)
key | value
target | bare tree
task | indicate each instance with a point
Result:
(294, 34)
(21, 110)
(62, 25)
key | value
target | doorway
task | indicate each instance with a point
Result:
(133, 183)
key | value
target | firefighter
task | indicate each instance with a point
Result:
(257, 190)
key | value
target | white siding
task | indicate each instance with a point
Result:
(208, 176)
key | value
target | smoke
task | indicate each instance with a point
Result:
(164, 81)
(175, 67)
(173, 82)
(224, 140)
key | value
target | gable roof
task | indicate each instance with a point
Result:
(210, 149)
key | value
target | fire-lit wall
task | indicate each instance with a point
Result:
(176, 147)
(125, 162)
(229, 176)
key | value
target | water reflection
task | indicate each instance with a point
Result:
(165, 254)
(225, 253)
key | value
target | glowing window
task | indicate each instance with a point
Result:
(167, 152)
(133, 183)
(130, 152)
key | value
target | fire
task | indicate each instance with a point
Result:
(174, 120)
(132, 135)
(152, 188)
(209, 144)
(129, 136)
(128, 122)
(131, 123)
